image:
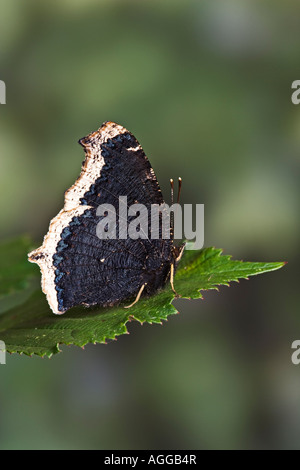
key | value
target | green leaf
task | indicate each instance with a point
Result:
(15, 271)
(208, 268)
(31, 328)
(18, 278)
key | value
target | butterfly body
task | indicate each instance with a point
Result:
(79, 268)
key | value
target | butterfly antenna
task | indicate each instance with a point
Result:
(172, 190)
(176, 209)
(172, 202)
(179, 189)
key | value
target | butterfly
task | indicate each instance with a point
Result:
(78, 267)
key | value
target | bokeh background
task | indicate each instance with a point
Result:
(206, 88)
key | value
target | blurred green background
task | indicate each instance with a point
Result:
(206, 88)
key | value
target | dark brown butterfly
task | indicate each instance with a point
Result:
(79, 268)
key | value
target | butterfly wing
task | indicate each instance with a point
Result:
(77, 266)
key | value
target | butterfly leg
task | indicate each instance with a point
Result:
(172, 280)
(137, 297)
